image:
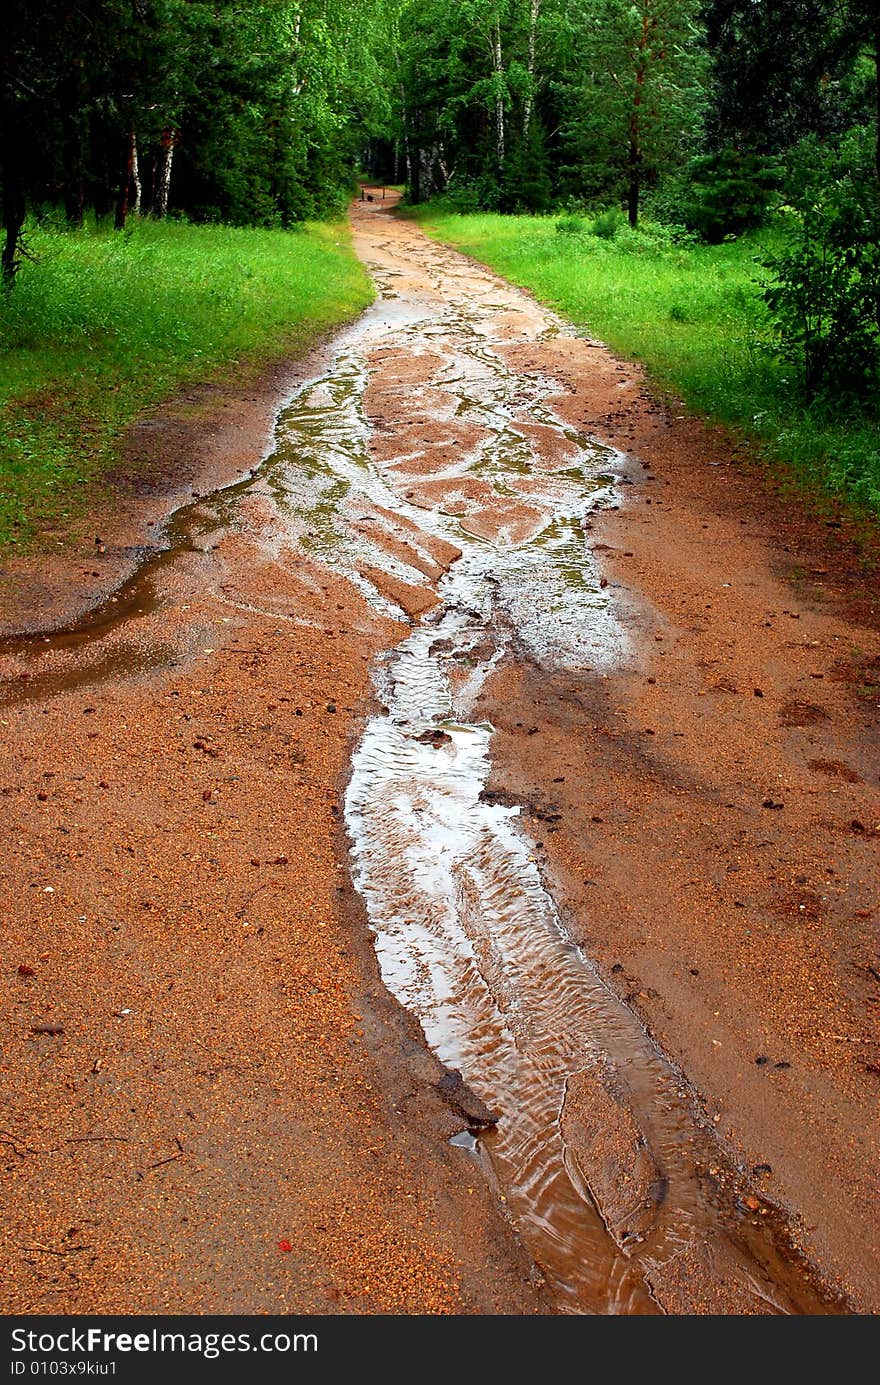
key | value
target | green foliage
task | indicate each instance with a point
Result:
(607, 224)
(260, 110)
(571, 225)
(532, 101)
(102, 326)
(526, 182)
(782, 70)
(463, 196)
(629, 85)
(472, 194)
(824, 297)
(728, 192)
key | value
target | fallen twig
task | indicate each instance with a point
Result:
(171, 1158)
(159, 1162)
(7, 1138)
(93, 1139)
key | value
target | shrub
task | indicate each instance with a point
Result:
(527, 186)
(571, 225)
(468, 195)
(728, 192)
(825, 294)
(607, 224)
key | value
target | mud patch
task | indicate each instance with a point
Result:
(797, 713)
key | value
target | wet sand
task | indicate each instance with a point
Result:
(212, 1104)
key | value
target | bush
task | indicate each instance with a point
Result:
(729, 192)
(527, 186)
(607, 224)
(571, 225)
(470, 195)
(825, 295)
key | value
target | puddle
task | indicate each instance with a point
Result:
(465, 1140)
(469, 939)
(106, 642)
(126, 661)
(599, 1149)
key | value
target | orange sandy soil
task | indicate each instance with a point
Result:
(210, 1103)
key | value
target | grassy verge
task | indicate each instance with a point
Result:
(694, 316)
(102, 325)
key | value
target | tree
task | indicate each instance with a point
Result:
(261, 109)
(631, 91)
(786, 70)
(824, 298)
(472, 79)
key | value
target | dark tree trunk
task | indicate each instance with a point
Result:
(415, 174)
(414, 159)
(125, 184)
(407, 144)
(13, 183)
(634, 182)
(634, 154)
(14, 209)
(102, 174)
(877, 70)
(74, 176)
(75, 200)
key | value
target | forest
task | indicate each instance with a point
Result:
(259, 113)
(692, 123)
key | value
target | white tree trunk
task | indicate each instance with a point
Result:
(135, 178)
(534, 14)
(498, 68)
(407, 157)
(163, 173)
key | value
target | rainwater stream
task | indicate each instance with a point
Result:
(598, 1154)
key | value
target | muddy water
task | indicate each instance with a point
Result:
(475, 510)
(599, 1152)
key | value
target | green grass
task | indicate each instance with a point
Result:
(101, 326)
(693, 315)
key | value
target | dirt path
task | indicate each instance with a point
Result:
(211, 1103)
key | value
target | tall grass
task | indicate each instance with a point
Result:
(695, 316)
(102, 325)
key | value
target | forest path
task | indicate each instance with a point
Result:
(202, 1060)
(703, 816)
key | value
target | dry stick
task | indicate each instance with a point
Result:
(92, 1139)
(170, 1160)
(171, 1157)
